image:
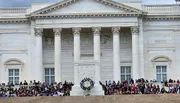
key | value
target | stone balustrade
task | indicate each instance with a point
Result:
(161, 8)
(13, 10)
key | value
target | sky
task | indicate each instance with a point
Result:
(25, 3)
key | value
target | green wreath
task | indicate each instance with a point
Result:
(87, 84)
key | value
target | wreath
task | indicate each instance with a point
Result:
(87, 84)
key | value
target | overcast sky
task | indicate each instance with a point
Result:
(24, 3)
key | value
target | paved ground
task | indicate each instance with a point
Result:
(166, 98)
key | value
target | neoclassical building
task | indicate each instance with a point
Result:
(100, 39)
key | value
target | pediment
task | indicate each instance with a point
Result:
(13, 62)
(161, 59)
(86, 7)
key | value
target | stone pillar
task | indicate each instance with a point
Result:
(116, 53)
(31, 48)
(97, 53)
(39, 56)
(77, 51)
(57, 54)
(135, 52)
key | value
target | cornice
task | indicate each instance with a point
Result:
(86, 15)
(162, 17)
(120, 6)
(14, 21)
(54, 7)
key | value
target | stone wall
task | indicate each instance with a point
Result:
(161, 39)
(164, 98)
(14, 45)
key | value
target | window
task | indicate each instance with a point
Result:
(161, 73)
(125, 73)
(49, 75)
(14, 76)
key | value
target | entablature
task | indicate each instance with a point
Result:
(86, 15)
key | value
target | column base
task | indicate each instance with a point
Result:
(78, 91)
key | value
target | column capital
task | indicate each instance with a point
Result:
(96, 30)
(116, 30)
(135, 29)
(76, 31)
(57, 31)
(38, 31)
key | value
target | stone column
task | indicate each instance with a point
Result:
(77, 51)
(135, 52)
(39, 56)
(57, 54)
(116, 53)
(97, 53)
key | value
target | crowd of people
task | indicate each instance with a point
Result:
(140, 86)
(36, 89)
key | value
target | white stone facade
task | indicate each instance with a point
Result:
(114, 34)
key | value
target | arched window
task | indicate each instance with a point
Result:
(161, 64)
(14, 67)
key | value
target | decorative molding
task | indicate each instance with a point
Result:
(38, 31)
(14, 21)
(85, 15)
(13, 61)
(76, 31)
(116, 30)
(15, 31)
(13, 52)
(120, 6)
(96, 31)
(54, 7)
(57, 31)
(161, 17)
(161, 47)
(161, 58)
(135, 30)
